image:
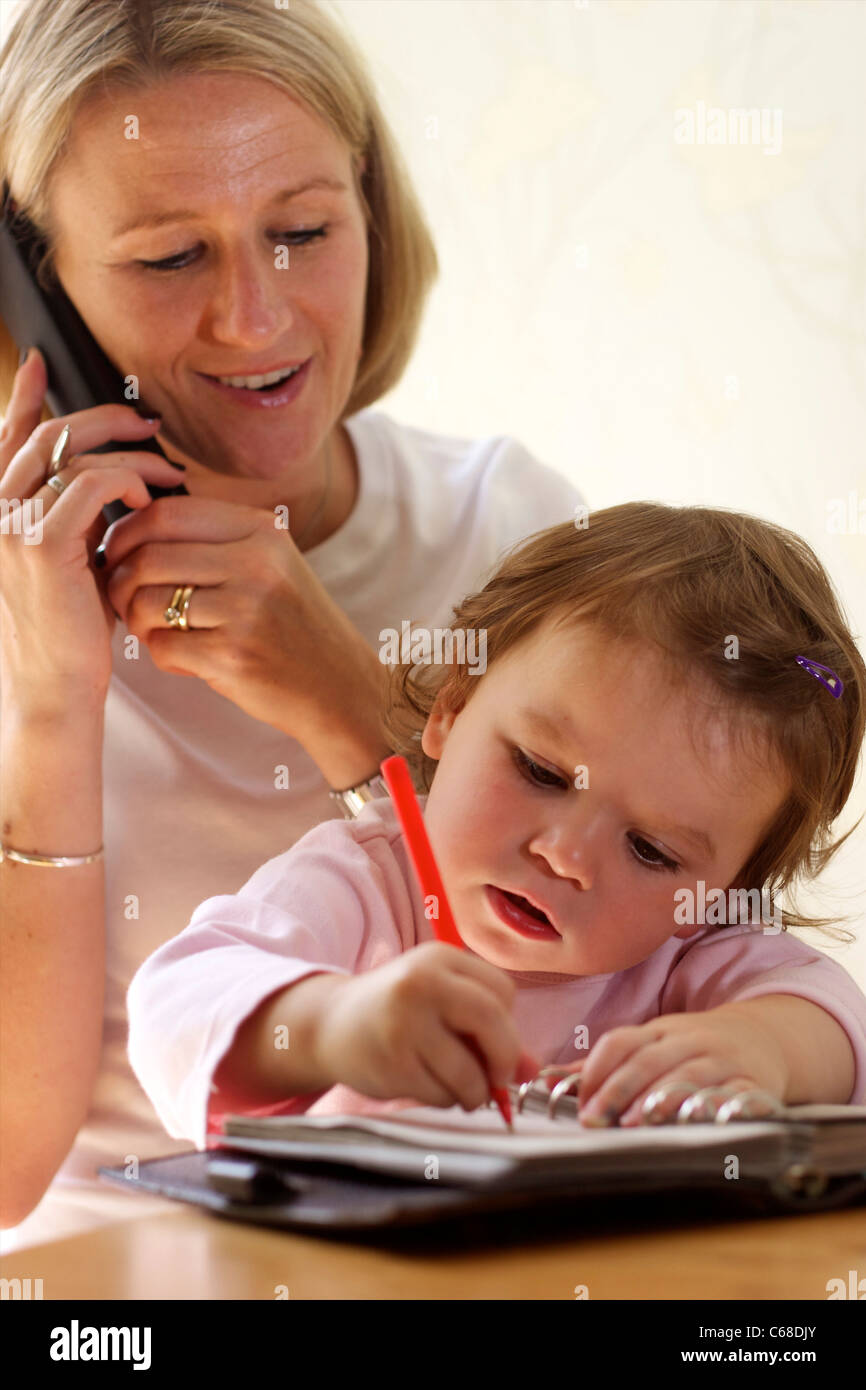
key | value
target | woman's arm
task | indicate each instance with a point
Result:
(342, 730)
(52, 944)
(55, 668)
(282, 650)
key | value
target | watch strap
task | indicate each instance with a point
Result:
(352, 800)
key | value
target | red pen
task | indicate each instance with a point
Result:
(395, 771)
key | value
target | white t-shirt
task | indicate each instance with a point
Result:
(191, 805)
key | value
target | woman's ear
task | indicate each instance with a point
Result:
(438, 726)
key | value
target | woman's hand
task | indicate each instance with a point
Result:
(263, 631)
(56, 620)
(401, 1029)
(714, 1048)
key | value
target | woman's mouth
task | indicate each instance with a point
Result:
(262, 392)
(521, 915)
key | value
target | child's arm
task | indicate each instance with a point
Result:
(780, 1043)
(255, 1072)
(398, 1030)
(816, 1049)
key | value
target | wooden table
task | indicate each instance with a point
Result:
(187, 1254)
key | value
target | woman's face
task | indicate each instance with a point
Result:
(506, 820)
(202, 188)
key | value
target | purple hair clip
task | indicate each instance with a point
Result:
(833, 684)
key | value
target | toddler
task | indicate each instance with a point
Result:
(668, 725)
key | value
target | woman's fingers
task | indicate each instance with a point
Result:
(87, 491)
(25, 406)
(27, 468)
(57, 622)
(151, 467)
(26, 446)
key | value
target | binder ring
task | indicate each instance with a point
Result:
(553, 1070)
(562, 1088)
(650, 1112)
(698, 1108)
(525, 1088)
(734, 1107)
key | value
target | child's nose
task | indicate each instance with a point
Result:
(567, 851)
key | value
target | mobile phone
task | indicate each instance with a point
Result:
(80, 375)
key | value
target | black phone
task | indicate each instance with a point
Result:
(80, 375)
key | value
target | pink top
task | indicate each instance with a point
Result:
(344, 899)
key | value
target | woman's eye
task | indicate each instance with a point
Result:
(534, 772)
(183, 258)
(660, 861)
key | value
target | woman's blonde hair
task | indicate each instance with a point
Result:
(688, 580)
(60, 52)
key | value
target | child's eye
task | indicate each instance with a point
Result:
(181, 260)
(661, 861)
(541, 776)
(535, 773)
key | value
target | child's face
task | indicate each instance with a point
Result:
(506, 821)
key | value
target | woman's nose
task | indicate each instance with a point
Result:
(250, 304)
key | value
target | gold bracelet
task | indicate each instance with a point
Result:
(68, 861)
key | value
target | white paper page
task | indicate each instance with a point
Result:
(484, 1131)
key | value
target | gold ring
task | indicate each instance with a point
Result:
(56, 461)
(175, 614)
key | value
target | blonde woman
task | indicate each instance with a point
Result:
(146, 765)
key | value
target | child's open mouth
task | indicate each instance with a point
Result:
(521, 915)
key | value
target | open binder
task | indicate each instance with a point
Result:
(355, 1174)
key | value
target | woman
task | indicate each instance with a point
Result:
(155, 148)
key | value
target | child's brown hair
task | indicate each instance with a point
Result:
(689, 580)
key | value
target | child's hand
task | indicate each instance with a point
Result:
(716, 1048)
(396, 1030)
